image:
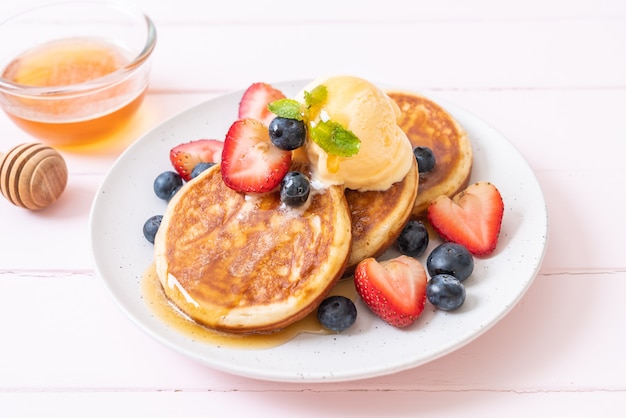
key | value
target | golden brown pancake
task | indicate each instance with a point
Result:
(428, 124)
(250, 264)
(378, 217)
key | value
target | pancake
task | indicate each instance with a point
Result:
(247, 264)
(428, 124)
(378, 217)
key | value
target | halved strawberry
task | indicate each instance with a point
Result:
(250, 162)
(184, 157)
(395, 289)
(254, 102)
(472, 218)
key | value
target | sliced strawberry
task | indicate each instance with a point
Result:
(255, 100)
(250, 162)
(184, 157)
(472, 218)
(395, 289)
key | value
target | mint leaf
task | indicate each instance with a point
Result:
(317, 96)
(292, 109)
(286, 108)
(335, 139)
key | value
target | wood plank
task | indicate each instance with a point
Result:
(83, 342)
(502, 55)
(314, 404)
(185, 11)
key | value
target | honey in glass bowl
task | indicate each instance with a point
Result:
(86, 82)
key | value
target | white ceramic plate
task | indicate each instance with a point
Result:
(370, 347)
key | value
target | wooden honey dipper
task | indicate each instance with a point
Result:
(32, 175)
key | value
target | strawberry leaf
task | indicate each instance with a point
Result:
(335, 139)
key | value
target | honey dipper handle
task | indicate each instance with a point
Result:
(32, 176)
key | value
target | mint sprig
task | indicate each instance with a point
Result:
(329, 135)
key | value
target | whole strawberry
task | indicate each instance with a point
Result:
(395, 290)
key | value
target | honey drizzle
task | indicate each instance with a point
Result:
(164, 310)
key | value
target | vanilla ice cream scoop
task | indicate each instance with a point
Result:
(385, 155)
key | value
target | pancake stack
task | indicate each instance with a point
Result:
(249, 264)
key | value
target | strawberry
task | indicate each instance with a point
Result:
(472, 218)
(395, 289)
(254, 102)
(250, 162)
(184, 157)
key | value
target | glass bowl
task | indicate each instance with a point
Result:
(74, 72)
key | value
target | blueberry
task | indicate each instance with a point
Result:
(450, 258)
(445, 292)
(413, 239)
(425, 159)
(295, 188)
(336, 313)
(287, 134)
(151, 226)
(199, 168)
(167, 184)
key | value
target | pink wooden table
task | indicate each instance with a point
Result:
(550, 75)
